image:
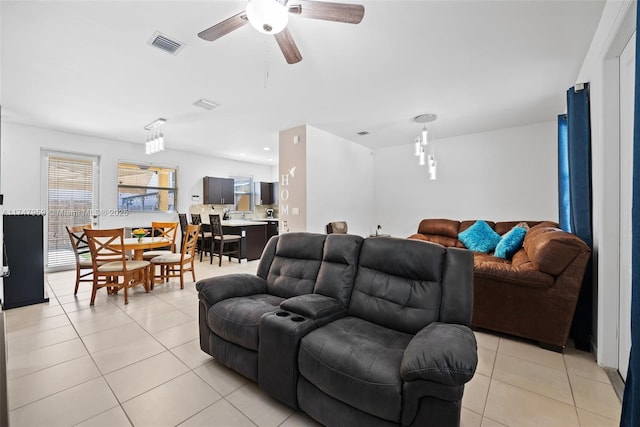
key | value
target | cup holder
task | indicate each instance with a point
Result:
(282, 313)
(297, 319)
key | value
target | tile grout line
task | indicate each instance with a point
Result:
(120, 404)
(66, 361)
(102, 376)
(573, 397)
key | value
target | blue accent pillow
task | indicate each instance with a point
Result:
(480, 237)
(510, 243)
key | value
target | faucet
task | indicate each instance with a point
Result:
(243, 214)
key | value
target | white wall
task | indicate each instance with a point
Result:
(339, 183)
(507, 174)
(600, 69)
(292, 151)
(22, 175)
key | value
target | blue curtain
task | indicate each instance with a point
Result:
(579, 162)
(564, 199)
(631, 401)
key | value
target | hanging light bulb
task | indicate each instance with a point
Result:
(422, 142)
(161, 142)
(433, 164)
(156, 143)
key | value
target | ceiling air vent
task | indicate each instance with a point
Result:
(363, 133)
(162, 41)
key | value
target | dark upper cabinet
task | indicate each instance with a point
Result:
(266, 193)
(218, 191)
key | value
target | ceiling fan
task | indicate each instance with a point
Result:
(272, 16)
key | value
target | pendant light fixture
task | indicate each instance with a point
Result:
(424, 147)
(155, 137)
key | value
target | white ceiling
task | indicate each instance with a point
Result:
(85, 67)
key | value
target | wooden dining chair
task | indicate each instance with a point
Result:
(182, 219)
(175, 265)
(82, 253)
(205, 234)
(219, 241)
(166, 230)
(106, 245)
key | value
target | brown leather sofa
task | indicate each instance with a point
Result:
(534, 294)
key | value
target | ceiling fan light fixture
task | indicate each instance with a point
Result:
(267, 16)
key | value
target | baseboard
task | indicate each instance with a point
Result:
(616, 381)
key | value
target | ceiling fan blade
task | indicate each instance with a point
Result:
(338, 12)
(288, 47)
(224, 27)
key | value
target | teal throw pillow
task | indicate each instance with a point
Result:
(480, 237)
(510, 243)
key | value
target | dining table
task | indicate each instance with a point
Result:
(138, 245)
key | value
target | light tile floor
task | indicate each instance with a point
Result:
(140, 364)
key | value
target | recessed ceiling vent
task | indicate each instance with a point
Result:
(162, 41)
(363, 133)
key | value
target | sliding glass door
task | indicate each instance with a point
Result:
(71, 198)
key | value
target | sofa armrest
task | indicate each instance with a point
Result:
(216, 289)
(441, 352)
(314, 306)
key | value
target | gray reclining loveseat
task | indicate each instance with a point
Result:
(352, 331)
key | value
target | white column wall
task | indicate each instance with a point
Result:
(339, 183)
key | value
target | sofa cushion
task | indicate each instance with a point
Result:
(520, 258)
(442, 352)
(296, 263)
(339, 265)
(358, 363)
(551, 250)
(441, 240)
(504, 226)
(502, 270)
(480, 237)
(398, 283)
(469, 222)
(237, 320)
(510, 242)
(439, 227)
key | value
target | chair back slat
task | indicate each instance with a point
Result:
(166, 230)
(107, 246)
(182, 219)
(216, 224)
(79, 241)
(196, 219)
(191, 241)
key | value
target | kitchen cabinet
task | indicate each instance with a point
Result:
(272, 228)
(266, 193)
(253, 237)
(218, 191)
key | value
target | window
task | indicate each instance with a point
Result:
(71, 197)
(243, 194)
(146, 188)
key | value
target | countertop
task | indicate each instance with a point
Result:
(243, 222)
